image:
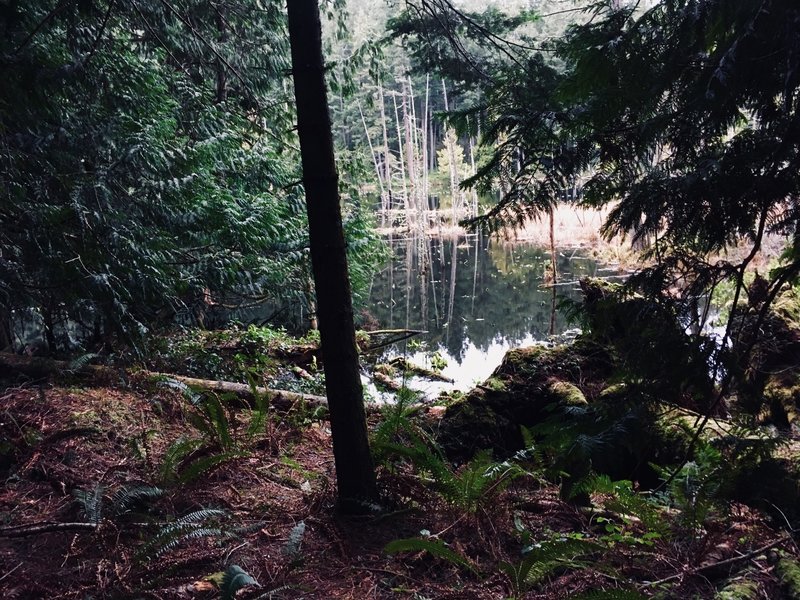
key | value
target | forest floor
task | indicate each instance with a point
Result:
(70, 529)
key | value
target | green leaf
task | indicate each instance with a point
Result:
(432, 546)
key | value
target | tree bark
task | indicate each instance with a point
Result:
(6, 338)
(355, 472)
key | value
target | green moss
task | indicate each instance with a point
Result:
(782, 398)
(473, 424)
(567, 394)
(495, 384)
(787, 306)
(617, 391)
(738, 590)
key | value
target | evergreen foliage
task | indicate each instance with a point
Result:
(234, 579)
(433, 546)
(149, 167)
(203, 523)
(94, 504)
(541, 559)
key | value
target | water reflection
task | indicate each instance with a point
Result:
(477, 297)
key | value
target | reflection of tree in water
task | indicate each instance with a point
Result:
(491, 293)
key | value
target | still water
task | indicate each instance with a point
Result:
(476, 297)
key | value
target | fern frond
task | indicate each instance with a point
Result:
(188, 393)
(165, 543)
(272, 594)
(215, 412)
(625, 501)
(292, 546)
(175, 454)
(91, 503)
(203, 465)
(542, 559)
(125, 498)
(234, 579)
(204, 514)
(260, 413)
(189, 527)
(79, 363)
(432, 546)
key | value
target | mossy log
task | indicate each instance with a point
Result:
(384, 380)
(45, 368)
(406, 365)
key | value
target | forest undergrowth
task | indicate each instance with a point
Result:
(151, 489)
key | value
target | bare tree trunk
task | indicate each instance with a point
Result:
(425, 175)
(473, 171)
(450, 142)
(409, 150)
(475, 271)
(391, 282)
(429, 243)
(371, 150)
(387, 205)
(452, 297)
(418, 170)
(355, 472)
(400, 153)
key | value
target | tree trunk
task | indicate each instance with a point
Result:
(388, 204)
(554, 267)
(400, 155)
(450, 144)
(6, 337)
(355, 472)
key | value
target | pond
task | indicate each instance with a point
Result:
(476, 297)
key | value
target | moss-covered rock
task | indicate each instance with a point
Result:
(566, 394)
(522, 392)
(738, 589)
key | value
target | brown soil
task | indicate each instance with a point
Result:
(56, 439)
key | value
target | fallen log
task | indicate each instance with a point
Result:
(43, 368)
(386, 381)
(408, 366)
(280, 399)
(46, 527)
(386, 337)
